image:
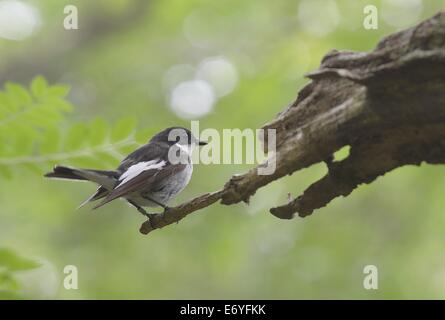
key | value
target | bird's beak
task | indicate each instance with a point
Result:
(202, 143)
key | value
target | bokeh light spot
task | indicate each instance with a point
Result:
(318, 17)
(18, 20)
(192, 99)
(220, 73)
(401, 13)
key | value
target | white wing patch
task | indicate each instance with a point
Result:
(138, 168)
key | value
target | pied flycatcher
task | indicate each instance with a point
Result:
(148, 177)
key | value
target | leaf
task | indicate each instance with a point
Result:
(50, 140)
(19, 95)
(18, 110)
(7, 105)
(42, 116)
(39, 87)
(23, 144)
(75, 137)
(12, 261)
(98, 132)
(123, 129)
(107, 159)
(60, 104)
(60, 91)
(33, 116)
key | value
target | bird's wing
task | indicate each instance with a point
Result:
(141, 176)
(148, 152)
(100, 193)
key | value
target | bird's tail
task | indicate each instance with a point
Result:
(105, 179)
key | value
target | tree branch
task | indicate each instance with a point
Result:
(388, 105)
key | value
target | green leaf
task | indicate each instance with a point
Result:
(60, 91)
(19, 95)
(18, 111)
(107, 159)
(23, 144)
(75, 137)
(39, 87)
(12, 261)
(33, 116)
(123, 129)
(50, 141)
(99, 131)
(62, 105)
(7, 105)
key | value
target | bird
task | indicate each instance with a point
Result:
(150, 176)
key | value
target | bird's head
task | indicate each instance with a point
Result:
(177, 135)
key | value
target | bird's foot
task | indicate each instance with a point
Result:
(142, 211)
(145, 213)
(150, 216)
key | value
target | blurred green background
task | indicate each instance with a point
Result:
(230, 64)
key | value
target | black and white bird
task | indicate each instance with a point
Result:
(148, 177)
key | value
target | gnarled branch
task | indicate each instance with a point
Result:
(388, 105)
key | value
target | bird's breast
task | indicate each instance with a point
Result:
(167, 188)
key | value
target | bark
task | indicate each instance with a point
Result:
(387, 105)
